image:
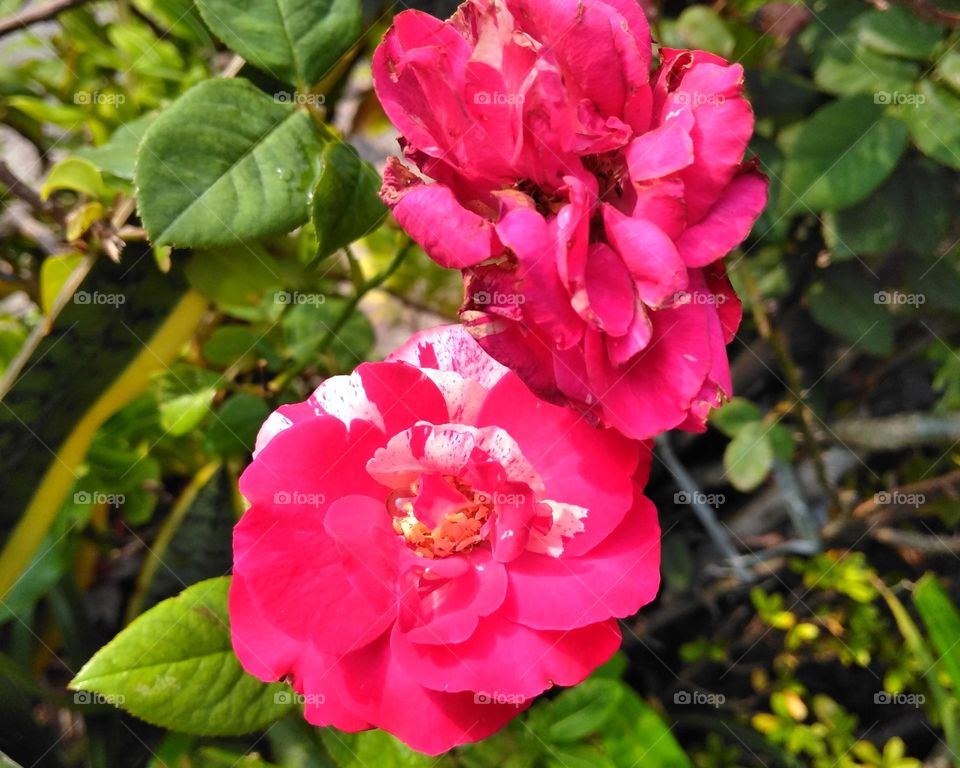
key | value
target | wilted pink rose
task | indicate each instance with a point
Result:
(587, 201)
(429, 546)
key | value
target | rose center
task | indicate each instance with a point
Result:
(439, 515)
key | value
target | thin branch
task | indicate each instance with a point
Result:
(905, 430)
(704, 511)
(928, 544)
(35, 13)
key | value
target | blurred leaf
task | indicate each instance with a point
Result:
(306, 326)
(75, 174)
(179, 17)
(749, 456)
(81, 218)
(225, 163)
(148, 54)
(948, 67)
(842, 154)
(781, 439)
(637, 735)
(942, 620)
(897, 214)
(578, 756)
(934, 123)
(937, 282)
(183, 413)
(241, 275)
(118, 155)
(346, 204)
(898, 31)
(701, 27)
(234, 430)
(578, 712)
(298, 43)
(174, 666)
(53, 274)
(63, 115)
(379, 748)
(734, 415)
(845, 304)
(38, 578)
(870, 227)
(845, 68)
(231, 344)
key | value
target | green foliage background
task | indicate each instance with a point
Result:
(191, 237)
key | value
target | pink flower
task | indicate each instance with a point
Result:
(587, 201)
(429, 546)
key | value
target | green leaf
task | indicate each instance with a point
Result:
(735, 415)
(181, 414)
(231, 345)
(367, 748)
(75, 174)
(898, 32)
(234, 431)
(896, 214)
(845, 68)
(53, 274)
(242, 275)
(749, 456)
(225, 163)
(842, 154)
(578, 756)
(577, 712)
(948, 67)
(296, 42)
(638, 736)
(942, 620)
(174, 667)
(934, 124)
(847, 305)
(782, 441)
(701, 27)
(118, 155)
(43, 573)
(306, 326)
(938, 282)
(346, 205)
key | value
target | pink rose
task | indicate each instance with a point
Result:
(429, 546)
(587, 201)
